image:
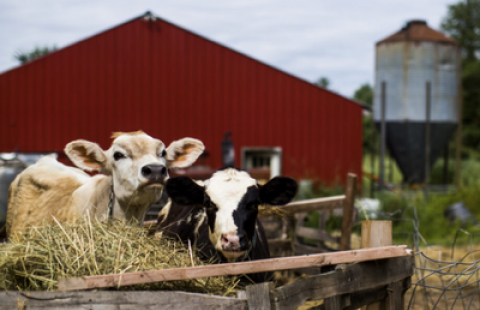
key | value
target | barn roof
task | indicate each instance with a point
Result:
(149, 16)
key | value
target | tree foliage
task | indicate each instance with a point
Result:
(462, 23)
(365, 95)
(323, 82)
(37, 52)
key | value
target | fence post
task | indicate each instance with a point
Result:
(348, 209)
(375, 234)
(259, 296)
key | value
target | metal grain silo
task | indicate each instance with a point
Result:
(414, 66)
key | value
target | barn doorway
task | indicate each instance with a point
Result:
(254, 158)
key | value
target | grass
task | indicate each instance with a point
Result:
(432, 224)
(399, 205)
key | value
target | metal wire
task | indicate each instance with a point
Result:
(440, 281)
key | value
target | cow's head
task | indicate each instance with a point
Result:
(231, 198)
(137, 162)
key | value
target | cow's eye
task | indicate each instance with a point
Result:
(163, 153)
(118, 156)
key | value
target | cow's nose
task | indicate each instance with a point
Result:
(243, 240)
(154, 172)
(233, 242)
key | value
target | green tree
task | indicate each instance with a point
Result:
(462, 23)
(365, 95)
(37, 52)
(322, 82)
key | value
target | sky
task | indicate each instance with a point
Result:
(306, 38)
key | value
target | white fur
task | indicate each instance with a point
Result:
(226, 188)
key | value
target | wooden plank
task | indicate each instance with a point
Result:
(308, 249)
(118, 300)
(259, 296)
(265, 265)
(376, 234)
(312, 233)
(348, 209)
(352, 278)
(333, 303)
(395, 296)
(361, 298)
(310, 205)
(279, 244)
(242, 294)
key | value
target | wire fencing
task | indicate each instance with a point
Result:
(445, 277)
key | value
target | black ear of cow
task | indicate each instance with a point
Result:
(183, 190)
(278, 191)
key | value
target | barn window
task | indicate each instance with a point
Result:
(254, 158)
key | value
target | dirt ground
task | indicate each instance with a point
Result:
(446, 280)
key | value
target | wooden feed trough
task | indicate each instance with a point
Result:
(360, 278)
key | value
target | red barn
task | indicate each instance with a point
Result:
(152, 75)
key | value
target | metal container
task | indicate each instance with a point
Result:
(406, 61)
(8, 171)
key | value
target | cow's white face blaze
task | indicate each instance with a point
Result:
(231, 199)
(137, 162)
(227, 190)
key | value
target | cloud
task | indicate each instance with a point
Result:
(306, 38)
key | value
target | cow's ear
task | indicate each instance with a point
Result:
(183, 153)
(185, 191)
(278, 191)
(87, 155)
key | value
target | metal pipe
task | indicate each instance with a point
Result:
(372, 159)
(427, 136)
(383, 137)
(445, 167)
(459, 137)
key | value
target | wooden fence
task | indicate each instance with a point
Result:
(286, 235)
(347, 287)
(378, 274)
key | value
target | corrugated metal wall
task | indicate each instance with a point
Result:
(172, 83)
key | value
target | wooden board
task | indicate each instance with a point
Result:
(130, 300)
(310, 205)
(265, 265)
(347, 280)
(376, 234)
(348, 211)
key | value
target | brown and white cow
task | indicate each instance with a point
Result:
(135, 167)
(219, 216)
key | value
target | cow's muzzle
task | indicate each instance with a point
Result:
(155, 174)
(234, 242)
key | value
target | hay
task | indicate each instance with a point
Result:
(38, 257)
(265, 210)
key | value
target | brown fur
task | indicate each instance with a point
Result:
(32, 195)
(117, 134)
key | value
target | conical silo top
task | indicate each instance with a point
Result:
(418, 30)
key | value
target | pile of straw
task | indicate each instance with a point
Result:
(37, 258)
(266, 210)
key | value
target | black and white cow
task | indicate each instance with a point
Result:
(219, 216)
